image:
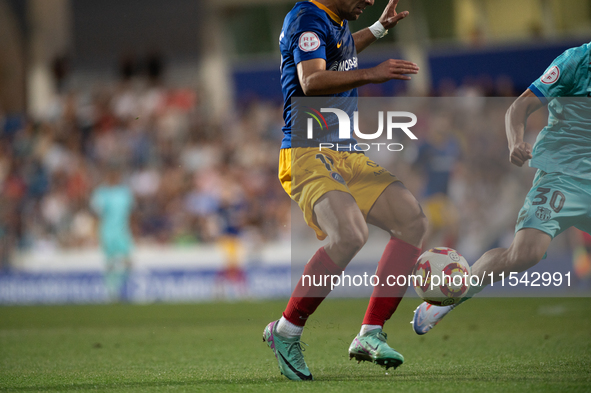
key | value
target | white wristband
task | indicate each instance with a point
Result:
(378, 30)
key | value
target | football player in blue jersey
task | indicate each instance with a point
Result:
(339, 192)
(561, 193)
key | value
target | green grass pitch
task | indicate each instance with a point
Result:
(487, 345)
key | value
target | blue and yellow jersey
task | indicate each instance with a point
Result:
(564, 145)
(312, 31)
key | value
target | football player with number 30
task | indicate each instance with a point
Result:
(561, 193)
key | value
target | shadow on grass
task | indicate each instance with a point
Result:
(197, 383)
(139, 385)
(320, 380)
(329, 377)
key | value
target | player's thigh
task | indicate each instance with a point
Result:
(398, 212)
(384, 201)
(528, 248)
(338, 215)
(381, 199)
(366, 180)
(583, 222)
(312, 176)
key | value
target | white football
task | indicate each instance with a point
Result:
(441, 276)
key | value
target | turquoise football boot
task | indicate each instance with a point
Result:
(288, 352)
(372, 347)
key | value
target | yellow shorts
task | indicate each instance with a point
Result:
(440, 211)
(307, 173)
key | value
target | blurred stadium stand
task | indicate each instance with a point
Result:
(185, 95)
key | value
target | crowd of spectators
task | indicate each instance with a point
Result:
(186, 173)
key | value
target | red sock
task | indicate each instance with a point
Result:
(398, 259)
(306, 298)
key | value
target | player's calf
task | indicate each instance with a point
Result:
(339, 217)
(399, 213)
(522, 257)
(527, 249)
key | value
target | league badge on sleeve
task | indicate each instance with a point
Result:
(309, 41)
(551, 76)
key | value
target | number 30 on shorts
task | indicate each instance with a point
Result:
(556, 201)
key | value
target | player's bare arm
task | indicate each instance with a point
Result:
(389, 19)
(515, 120)
(316, 80)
